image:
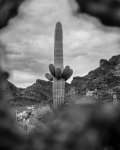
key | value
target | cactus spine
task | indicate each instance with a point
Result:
(58, 74)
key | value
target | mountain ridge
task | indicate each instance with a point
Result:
(104, 78)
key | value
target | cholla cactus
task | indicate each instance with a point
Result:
(58, 74)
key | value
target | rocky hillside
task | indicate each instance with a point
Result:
(39, 92)
(14, 91)
(105, 78)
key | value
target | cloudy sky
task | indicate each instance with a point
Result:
(29, 40)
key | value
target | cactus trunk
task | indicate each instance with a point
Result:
(58, 85)
(58, 92)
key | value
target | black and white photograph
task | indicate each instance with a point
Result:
(59, 74)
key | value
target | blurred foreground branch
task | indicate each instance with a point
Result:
(8, 9)
(108, 11)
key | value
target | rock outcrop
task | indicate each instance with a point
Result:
(104, 79)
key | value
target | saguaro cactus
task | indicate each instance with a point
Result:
(58, 74)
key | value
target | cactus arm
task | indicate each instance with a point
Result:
(69, 75)
(58, 73)
(52, 69)
(49, 76)
(66, 72)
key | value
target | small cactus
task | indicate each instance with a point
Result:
(58, 75)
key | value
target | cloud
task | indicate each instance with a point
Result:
(29, 40)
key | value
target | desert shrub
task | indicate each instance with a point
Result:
(42, 113)
(23, 116)
(39, 117)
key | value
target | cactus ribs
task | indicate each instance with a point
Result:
(57, 74)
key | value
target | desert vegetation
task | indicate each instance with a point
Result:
(33, 118)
